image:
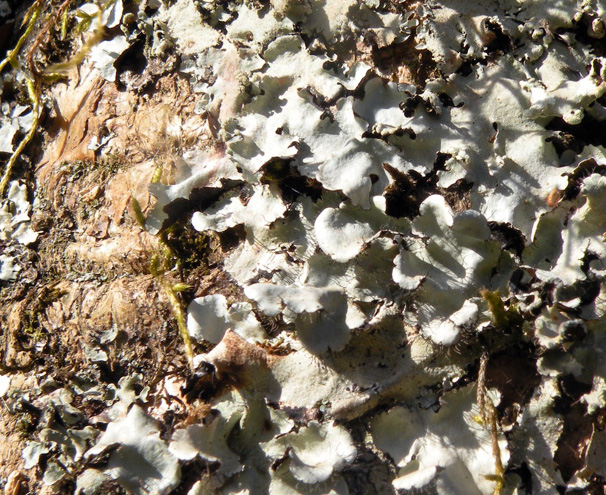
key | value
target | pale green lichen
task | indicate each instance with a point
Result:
(399, 232)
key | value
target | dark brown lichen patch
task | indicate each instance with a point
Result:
(583, 291)
(510, 238)
(273, 325)
(372, 472)
(500, 41)
(514, 373)
(202, 384)
(575, 179)
(139, 73)
(565, 141)
(289, 180)
(407, 191)
(401, 61)
(576, 136)
(300, 415)
(440, 161)
(457, 195)
(195, 471)
(404, 62)
(588, 257)
(578, 426)
(525, 475)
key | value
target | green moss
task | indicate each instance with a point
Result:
(26, 425)
(107, 166)
(111, 164)
(88, 210)
(34, 327)
(137, 212)
(502, 317)
(190, 248)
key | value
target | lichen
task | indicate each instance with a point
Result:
(393, 239)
